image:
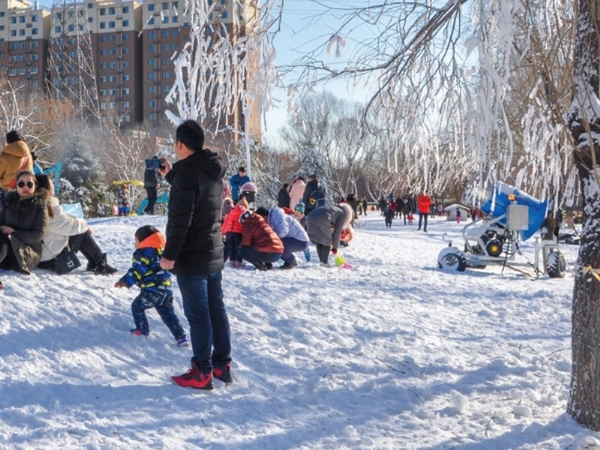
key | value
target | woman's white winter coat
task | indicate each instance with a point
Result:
(285, 225)
(59, 229)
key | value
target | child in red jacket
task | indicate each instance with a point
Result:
(232, 229)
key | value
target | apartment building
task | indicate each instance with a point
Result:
(24, 44)
(114, 56)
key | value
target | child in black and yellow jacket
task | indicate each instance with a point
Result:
(154, 282)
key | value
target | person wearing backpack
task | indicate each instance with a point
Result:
(314, 195)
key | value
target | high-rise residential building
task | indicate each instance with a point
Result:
(113, 58)
(24, 44)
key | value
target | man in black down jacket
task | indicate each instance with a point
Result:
(194, 252)
(151, 184)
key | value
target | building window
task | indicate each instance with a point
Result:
(12, 58)
(102, 52)
(35, 56)
(34, 70)
(152, 117)
(22, 19)
(102, 78)
(34, 18)
(112, 78)
(112, 51)
(112, 91)
(175, 5)
(126, 23)
(166, 89)
(151, 7)
(151, 48)
(22, 58)
(103, 65)
(166, 75)
(126, 92)
(152, 103)
(165, 47)
(35, 44)
(13, 20)
(126, 50)
(125, 36)
(165, 33)
(102, 25)
(125, 77)
(175, 19)
(111, 10)
(34, 83)
(126, 118)
(111, 24)
(90, 20)
(102, 11)
(125, 9)
(175, 33)
(151, 21)
(22, 71)
(103, 38)
(34, 31)
(125, 104)
(151, 34)
(175, 46)
(151, 76)
(2, 14)
(151, 62)
(13, 33)
(71, 28)
(165, 61)
(112, 65)
(102, 105)
(165, 6)
(102, 92)
(112, 38)
(125, 64)
(151, 89)
(165, 19)
(12, 72)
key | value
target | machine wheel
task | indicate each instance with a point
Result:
(452, 259)
(493, 247)
(556, 266)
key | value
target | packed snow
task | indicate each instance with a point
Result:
(392, 354)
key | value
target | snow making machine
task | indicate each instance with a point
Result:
(510, 216)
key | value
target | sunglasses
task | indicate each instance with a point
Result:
(22, 184)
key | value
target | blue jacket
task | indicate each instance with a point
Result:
(285, 225)
(236, 183)
(145, 271)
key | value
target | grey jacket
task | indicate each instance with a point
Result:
(321, 221)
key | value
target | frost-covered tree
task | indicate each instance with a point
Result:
(224, 68)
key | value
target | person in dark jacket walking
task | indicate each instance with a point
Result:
(24, 220)
(194, 253)
(151, 184)
(325, 225)
(310, 203)
(283, 197)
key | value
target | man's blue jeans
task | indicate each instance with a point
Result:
(209, 324)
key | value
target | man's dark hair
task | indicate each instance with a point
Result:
(312, 177)
(190, 134)
(242, 169)
(285, 185)
(13, 136)
(43, 181)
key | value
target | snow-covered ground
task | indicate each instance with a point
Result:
(395, 354)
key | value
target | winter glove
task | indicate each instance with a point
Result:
(334, 251)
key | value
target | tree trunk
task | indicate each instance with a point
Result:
(584, 401)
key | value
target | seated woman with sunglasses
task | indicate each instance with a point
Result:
(67, 231)
(24, 218)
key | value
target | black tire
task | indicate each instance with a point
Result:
(452, 259)
(556, 266)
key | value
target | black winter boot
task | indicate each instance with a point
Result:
(102, 267)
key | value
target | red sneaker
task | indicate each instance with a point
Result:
(195, 379)
(223, 373)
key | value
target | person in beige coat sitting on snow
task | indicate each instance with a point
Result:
(68, 232)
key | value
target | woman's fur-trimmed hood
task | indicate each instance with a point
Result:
(13, 201)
